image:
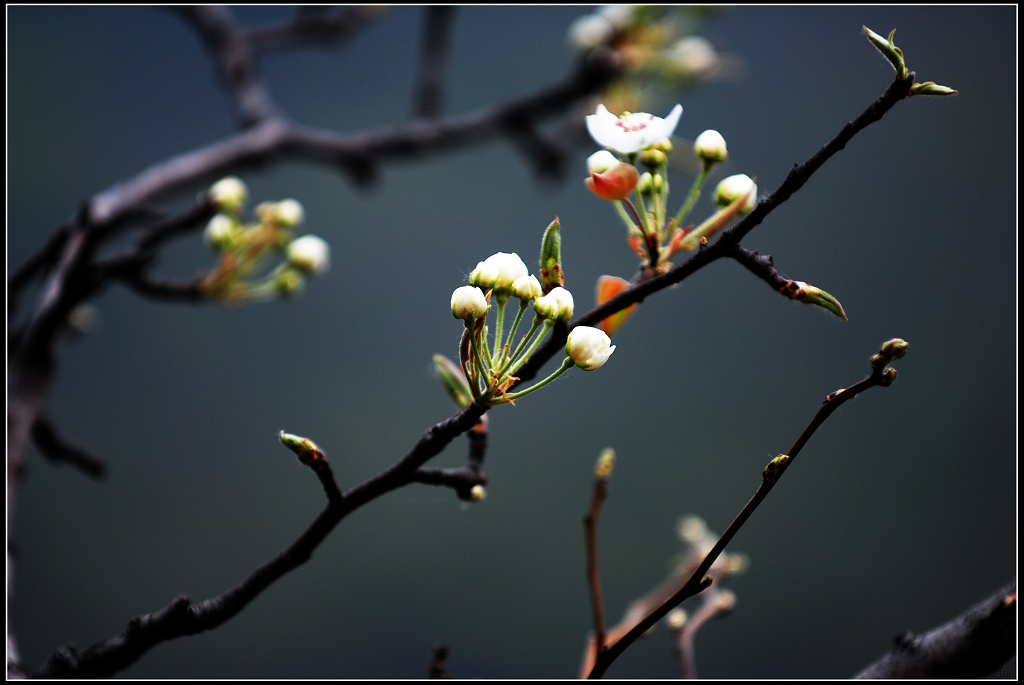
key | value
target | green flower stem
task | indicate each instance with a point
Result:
(624, 215)
(641, 209)
(467, 368)
(548, 323)
(483, 362)
(660, 204)
(691, 199)
(502, 299)
(640, 221)
(522, 343)
(523, 304)
(566, 365)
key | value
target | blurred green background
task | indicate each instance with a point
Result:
(899, 514)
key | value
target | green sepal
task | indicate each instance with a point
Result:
(453, 381)
(890, 51)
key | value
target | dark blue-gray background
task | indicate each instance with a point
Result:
(898, 515)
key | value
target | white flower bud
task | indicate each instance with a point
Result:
(527, 288)
(601, 161)
(289, 213)
(477, 493)
(219, 231)
(590, 31)
(229, 194)
(710, 146)
(310, 254)
(589, 347)
(733, 188)
(676, 619)
(556, 305)
(692, 56)
(618, 15)
(498, 272)
(468, 302)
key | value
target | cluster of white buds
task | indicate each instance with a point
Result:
(488, 365)
(244, 248)
(642, 198)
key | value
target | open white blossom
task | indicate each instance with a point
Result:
(631, 132)
(589, 347)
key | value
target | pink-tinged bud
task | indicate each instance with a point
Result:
(616, 183)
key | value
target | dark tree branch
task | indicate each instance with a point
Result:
(433, 62)
(57, 450)
(175, 226)
(33, 266)
(181, 617)
(461, 479)
(311, 25)
(225, 41)
(547, 155)
(801, 173)
(974, 644)
(438, 663)
(761, 266)
(699, 580)
(275, 139)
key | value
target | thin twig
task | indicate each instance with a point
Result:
(58, 450)
(438, 663)
(699, 580)
(311, 25)
(600, 493)
(433, 62)
(236, 63)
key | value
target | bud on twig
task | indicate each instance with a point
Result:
(304, 448)
(775, 468)
(605, 464)
(551, 273)
(890, 51)
(804, 292)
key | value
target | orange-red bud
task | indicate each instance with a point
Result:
(616, 183)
